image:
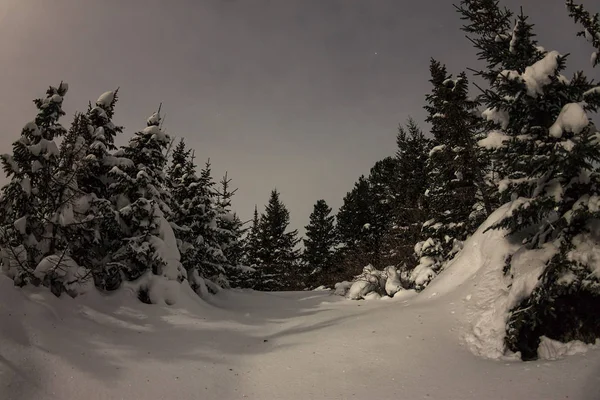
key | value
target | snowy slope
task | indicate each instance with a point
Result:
(299, 345)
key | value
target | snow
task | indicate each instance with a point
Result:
(501, 117)
(46, 147)
(157, 133)
(359, 290)
(436, 149)
(36, 166)
(494, 140)
(105, 99)
(536, 76)
(572, 118)
(33, 128)
(63, 88)
(166, 247)
(26, 185)
(392, 284)
(342, 288)
(594, 90)
(121, 162)
(75, 278)
(251, 345)
(554, 350)
(154, 119)
(478, 269)
(587, 252)
(21, 225)
(513, 40)
(423, 273)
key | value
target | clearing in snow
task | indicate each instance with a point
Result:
(245, 344)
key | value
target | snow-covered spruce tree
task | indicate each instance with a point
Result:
(320, 242)
(383, 184)
(408, 211)
(365, 218)
(353, 222)
(457, 194)
(251, 252)
(194, 222)
(140, 196)
(213, 261)
(279, 268)
(591, 27)
(98, 235)
(548, 151)
(230, 232)
(37, 203)
(181, 179)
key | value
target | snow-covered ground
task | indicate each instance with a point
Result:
(298, 345)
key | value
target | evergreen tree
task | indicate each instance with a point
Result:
(591, 27)
(353, 223)
(457, 194)
(277, 252)
(181, 179)
(228, 224)
(37, 203)
(383, 185)
(213, 260)
(252, 242)
(321, 239)
(99, 238)
(408, 211)
(142, 201)
(229, 231)
(177, 170)
(194, 220)
(547, 150)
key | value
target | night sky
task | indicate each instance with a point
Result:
(301, 95)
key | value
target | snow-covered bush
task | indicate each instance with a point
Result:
(371, 283)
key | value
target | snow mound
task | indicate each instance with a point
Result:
(371, 284)
(554, 350)
(342, 288)
(488, 293)
(478, 271)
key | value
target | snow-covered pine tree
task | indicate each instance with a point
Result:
(547, 150)
(181, 180)
(142, 200)
(383, 182)
(99, 237)
(251, 242)
(353, 221)
(279, 267)
(457, 194)
(194, 221)
(408, 203)
(320, 241)
(37, 202)
(591, 27)
(229, 228)
(212, 259)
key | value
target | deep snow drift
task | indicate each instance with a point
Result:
(295, 345)
(299, 345)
